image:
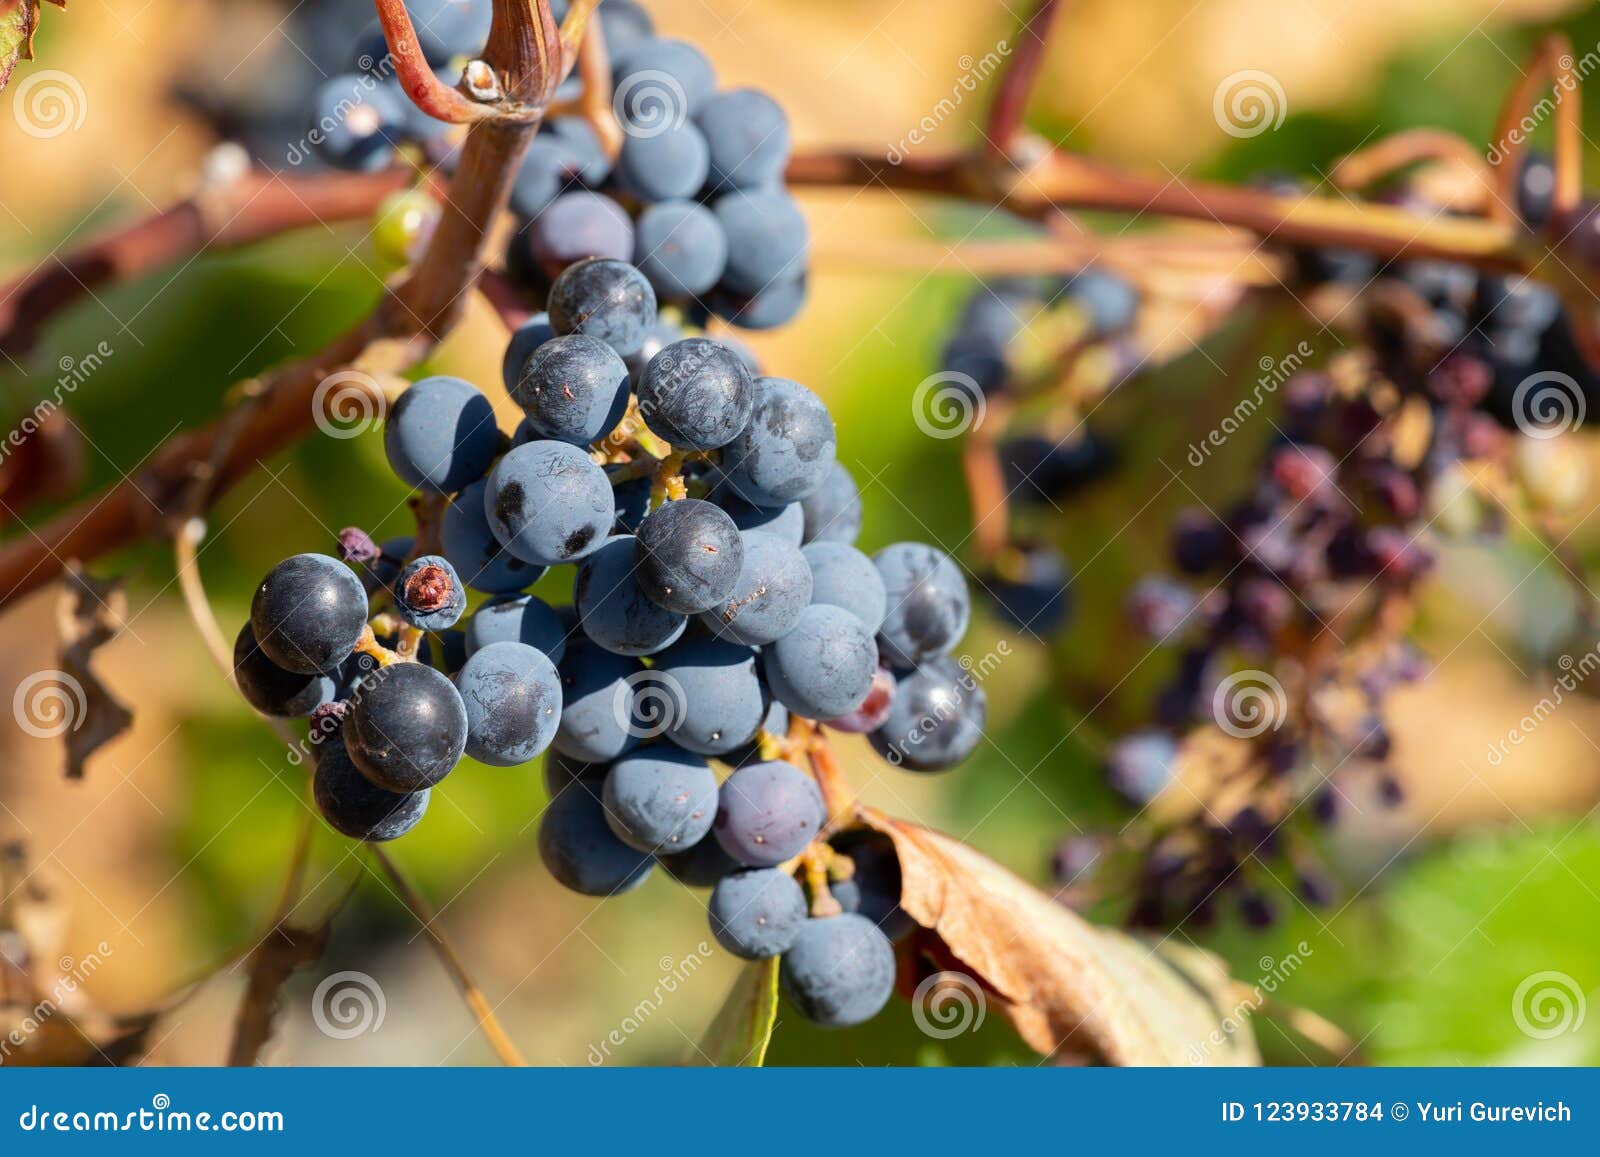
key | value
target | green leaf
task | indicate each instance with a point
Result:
(739, 1035)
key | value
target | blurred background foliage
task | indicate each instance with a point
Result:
(172, 849)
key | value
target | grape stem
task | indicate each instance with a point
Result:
(1017, 82)
(1549, 64)
(430, 94)
(594, 103)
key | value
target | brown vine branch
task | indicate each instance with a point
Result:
(1551, 63)
(430, 94)
(1362, 169)
(1016, 85)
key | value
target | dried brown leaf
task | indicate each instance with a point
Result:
(283, 952)
(89, 615)
(1069, 987)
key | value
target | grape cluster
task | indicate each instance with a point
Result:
(716, 593)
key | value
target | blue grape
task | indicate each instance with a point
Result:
(1033, 591)
(441, 435)
(688, 556)
(573, 389)
(625, 24)
(1140, 766)
(512, 695)
(577, 225)
(748, 137)
(758, 913)
(660, 799)
(518, 619)
(697, 394)
(700, 866)
(787, 448)
(356, 807)
(269, 688)
(597, 703)
(680, 248)
(936, 720)
(527, 337)
(406, 728)
(929, 606)
(428, 593)
(549, 168)
(355, 123)
(664, 166)
(773, 589)
(714, 702)
(785, 522)
(468, 542)
(873, 889)
(775, 305)
(833, 510)
(613, 608)
(607, 299)
(579, 136)
(580, 851)
(824, 667)
(768, 239)
(840, 971)
(660, 82)
(308, 613)
(1110, 300)
(548, 503)
(768, 812)
(843, 576)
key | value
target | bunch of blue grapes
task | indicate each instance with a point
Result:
(716, 593)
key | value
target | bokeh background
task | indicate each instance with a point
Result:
(171, 849)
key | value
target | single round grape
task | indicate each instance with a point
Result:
(428, 594)
(597, 703)
(757, 914)
(406, 728)
(402, 225)
(626, 23)
(697, 394)
(680, 247)
(833, 510)
(768, 812)
(308, 613)
(548, 503)
(579, 136)
(716, 702)
(513, 699)
(660, 81)
(748, 137)
(581, 852)
(824, 667)
(936, 720)
(929, 606)
(774, 587)
(701, 866)
(355, 124)
(768, 239)
(785, 451)
(874, 710)
(660, 798)
(776, 304)
(468, 542)
(840, 971)
(441, 435)
(688, 555)
(607, 299)
(844, 577)
(518, 619)
(356, 807)
(269, 688)
(1142, 765)
(613, 608)
(526, 338)
(573, 389)
(549, 168)
(666, 165)
(577, 225)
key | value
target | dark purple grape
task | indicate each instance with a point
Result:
(768, 812)
(308, 613)
(407, 727)
(356, 807)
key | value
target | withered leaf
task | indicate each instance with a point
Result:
(284, 951)
(1069, 987)
(89, 615)
(742, 1029)
(19, 20)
